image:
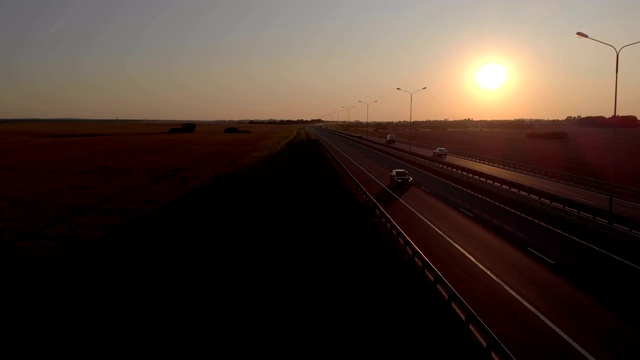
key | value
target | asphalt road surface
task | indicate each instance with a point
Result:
(541, 292)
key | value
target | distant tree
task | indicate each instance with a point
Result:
(593, 121)
(627, 121)
(620, 121)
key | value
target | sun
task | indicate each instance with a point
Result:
(491, 76)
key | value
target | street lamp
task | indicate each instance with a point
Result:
(368, 112)
(410, 111)
(615, 99)
(348, 108)
(615, 111)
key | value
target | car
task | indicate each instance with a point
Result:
(440, 152)
(400, 178)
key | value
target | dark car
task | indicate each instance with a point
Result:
(400, 178)
(440, 152)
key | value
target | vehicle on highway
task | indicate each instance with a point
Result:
(440, 152)
(400, 178)
(391, 139)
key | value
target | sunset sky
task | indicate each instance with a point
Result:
(305, 59)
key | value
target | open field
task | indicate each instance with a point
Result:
(63, 181)
(586, 152)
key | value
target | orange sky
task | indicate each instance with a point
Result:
(262, 59)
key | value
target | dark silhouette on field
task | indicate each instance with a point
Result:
(234, 130)
(185, 128)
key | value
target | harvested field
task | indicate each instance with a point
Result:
(69, 182)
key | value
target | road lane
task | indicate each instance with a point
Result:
(602, 201)
(535, 311)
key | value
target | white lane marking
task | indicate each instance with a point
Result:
(466, 212)
(485, 270)
(554, 229)
(501, 283)
(540, 255)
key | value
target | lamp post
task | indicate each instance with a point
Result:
(367, 132)
(348, 116)
(615, 98)
(615, 112)
(410, 111)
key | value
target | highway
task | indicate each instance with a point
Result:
(535, 308)
(592, 198)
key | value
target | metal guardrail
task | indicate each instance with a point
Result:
(598, 186)
(604, 218)
(602, 187)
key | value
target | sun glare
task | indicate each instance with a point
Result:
(491, 76)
